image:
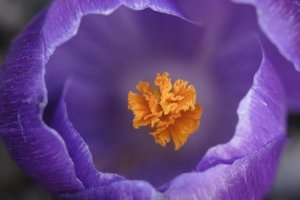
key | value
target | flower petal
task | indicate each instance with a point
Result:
(249, 177)
(150, 45)
(252, 154)
(254, 129)
(79, 151)
(129, 190)
(290, 78)
(54, 27)
(280, 20)
(28, 139)
(23, 92)
(104, 69)
(63, 17)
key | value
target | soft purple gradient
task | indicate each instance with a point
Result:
(226, 170)
(279, 19)
(87, 82)
(219, 66)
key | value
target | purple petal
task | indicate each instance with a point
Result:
(23, 95)
(103, 74)
(57, 25)
(266, 96)
(290, 78)
(63, 17)
(251, 157)
(129, 190)
(28, 139)
(279, 20)
(222, 74)
(248, 177)
(79, 151)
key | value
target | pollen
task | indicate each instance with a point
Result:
(169, 110)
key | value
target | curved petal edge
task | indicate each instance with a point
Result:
(245, 166)
(24, 94)
(280, 21)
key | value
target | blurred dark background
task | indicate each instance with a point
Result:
(14, 15)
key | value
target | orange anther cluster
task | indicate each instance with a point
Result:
(170, 110)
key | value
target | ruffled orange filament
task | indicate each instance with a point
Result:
(170, 110)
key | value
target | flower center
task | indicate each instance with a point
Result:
(171, 111)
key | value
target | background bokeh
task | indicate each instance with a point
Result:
(14, 15)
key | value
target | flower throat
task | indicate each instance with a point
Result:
(171, 111)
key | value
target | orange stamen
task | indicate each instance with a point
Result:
(170, 110)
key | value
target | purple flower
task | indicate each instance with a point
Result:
(64, 89)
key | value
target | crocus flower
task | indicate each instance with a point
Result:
(64, 86)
